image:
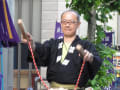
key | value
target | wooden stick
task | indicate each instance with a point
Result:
(22, 28)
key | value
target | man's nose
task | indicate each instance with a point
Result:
(67, 25)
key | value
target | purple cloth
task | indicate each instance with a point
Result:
(58, 31)
(108, 39)
(4, 36)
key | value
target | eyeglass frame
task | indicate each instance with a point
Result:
(71, 22)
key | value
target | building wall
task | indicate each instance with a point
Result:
(49, 17)
(113, 23)
(118, 30)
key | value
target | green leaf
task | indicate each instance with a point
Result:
(67, 0)
(97, 3)
(67, 5)
(106, 10)
(110, 16)
(93, 82)
(89, 1)
(109, 28)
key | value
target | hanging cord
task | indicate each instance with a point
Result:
(38, 73)
(82, 67)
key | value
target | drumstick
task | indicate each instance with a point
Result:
(22, 28)
(80, 50)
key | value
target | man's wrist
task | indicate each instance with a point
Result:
(91, 59)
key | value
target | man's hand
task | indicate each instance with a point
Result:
(27, 37)
(84, 53)
(88, 56)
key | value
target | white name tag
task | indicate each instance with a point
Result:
(60, 45)
(58, 59)
(65, 62)
(71, 50)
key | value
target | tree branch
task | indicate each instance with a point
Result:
(110, 2)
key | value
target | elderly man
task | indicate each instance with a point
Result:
(62, 58)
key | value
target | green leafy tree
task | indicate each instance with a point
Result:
(93, 11)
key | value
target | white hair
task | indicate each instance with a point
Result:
(74, 12)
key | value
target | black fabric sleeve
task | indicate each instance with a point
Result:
(41, 53)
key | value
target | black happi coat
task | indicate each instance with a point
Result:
(66, 72)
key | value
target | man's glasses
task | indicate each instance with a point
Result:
(70, 22)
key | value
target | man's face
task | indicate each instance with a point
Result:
(69, 24)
